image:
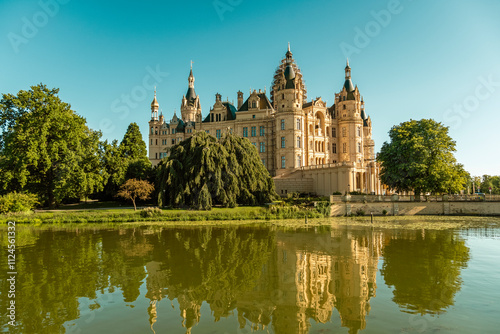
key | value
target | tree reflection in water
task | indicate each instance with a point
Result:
(273, 279)
(424, 269)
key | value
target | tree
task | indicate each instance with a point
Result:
(228, 170)
(136, 189)
(127, 160)
(420, 158)
(46, 148)
(490, 182)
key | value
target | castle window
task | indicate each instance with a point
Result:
(298, 141)
(343, 132)
(262, 148)
(156, 155)
(151, 142)
(282, 96)
(344, 107)
(211, 117)
(283, 161)
(217, 133)
(264, 162)
(262, 131)
(254, 104)
(152, 130)
(282, 142)
(299, 161)
(298, 124)
(245, 132)
(344, 147)
(334, 132)
(359, 147)
(254, 144)
(173, 141)
(282, 124)
(359, 131)
(253, 116)
(254, 131)
(344, 99)
(334, 148)
(173, 131)
(156, 131)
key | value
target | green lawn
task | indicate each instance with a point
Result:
(120, 215)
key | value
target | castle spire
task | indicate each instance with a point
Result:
(347, 70)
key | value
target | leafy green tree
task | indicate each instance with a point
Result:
(136, 189)
(229, 170)
(490, 182)
(133, 150)
(127, 160)
(419, 158)
(46, 148)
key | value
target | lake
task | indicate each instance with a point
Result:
(253, 279)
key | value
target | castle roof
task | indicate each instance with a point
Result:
(264, 103)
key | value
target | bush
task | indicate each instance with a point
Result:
(336, 193)
(360, 212)
(17, 202)
(150, 212)
(384, 212)
(323, 208)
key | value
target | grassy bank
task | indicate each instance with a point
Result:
(288, 217)
(122, 215)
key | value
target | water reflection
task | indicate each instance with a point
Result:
(424, 269)
(273, 279)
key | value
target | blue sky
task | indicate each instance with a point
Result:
(410, 59)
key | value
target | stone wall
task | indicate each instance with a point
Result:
(287, 186)
(418, 208)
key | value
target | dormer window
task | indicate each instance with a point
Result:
(254, 104)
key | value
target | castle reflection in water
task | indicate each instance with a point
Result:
(259, 277)
(303, 276)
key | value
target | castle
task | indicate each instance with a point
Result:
(305, 145)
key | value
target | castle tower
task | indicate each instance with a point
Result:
(154, 108)
(190, 106)
(154, 126)
(288, 90)
(288, 93)
(350, 123)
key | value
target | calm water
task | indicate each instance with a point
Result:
(254, 280)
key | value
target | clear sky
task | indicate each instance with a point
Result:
(410, 59)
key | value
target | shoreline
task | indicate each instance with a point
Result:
(385, 222)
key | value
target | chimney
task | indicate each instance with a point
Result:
(240, 99)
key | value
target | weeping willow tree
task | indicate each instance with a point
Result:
(202, 171)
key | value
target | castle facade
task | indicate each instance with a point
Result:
(306, 146)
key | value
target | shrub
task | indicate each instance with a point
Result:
(17, 202)
(323, 208)
(360, 212)
(336, 193)
(150, 212)
(384, 212)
